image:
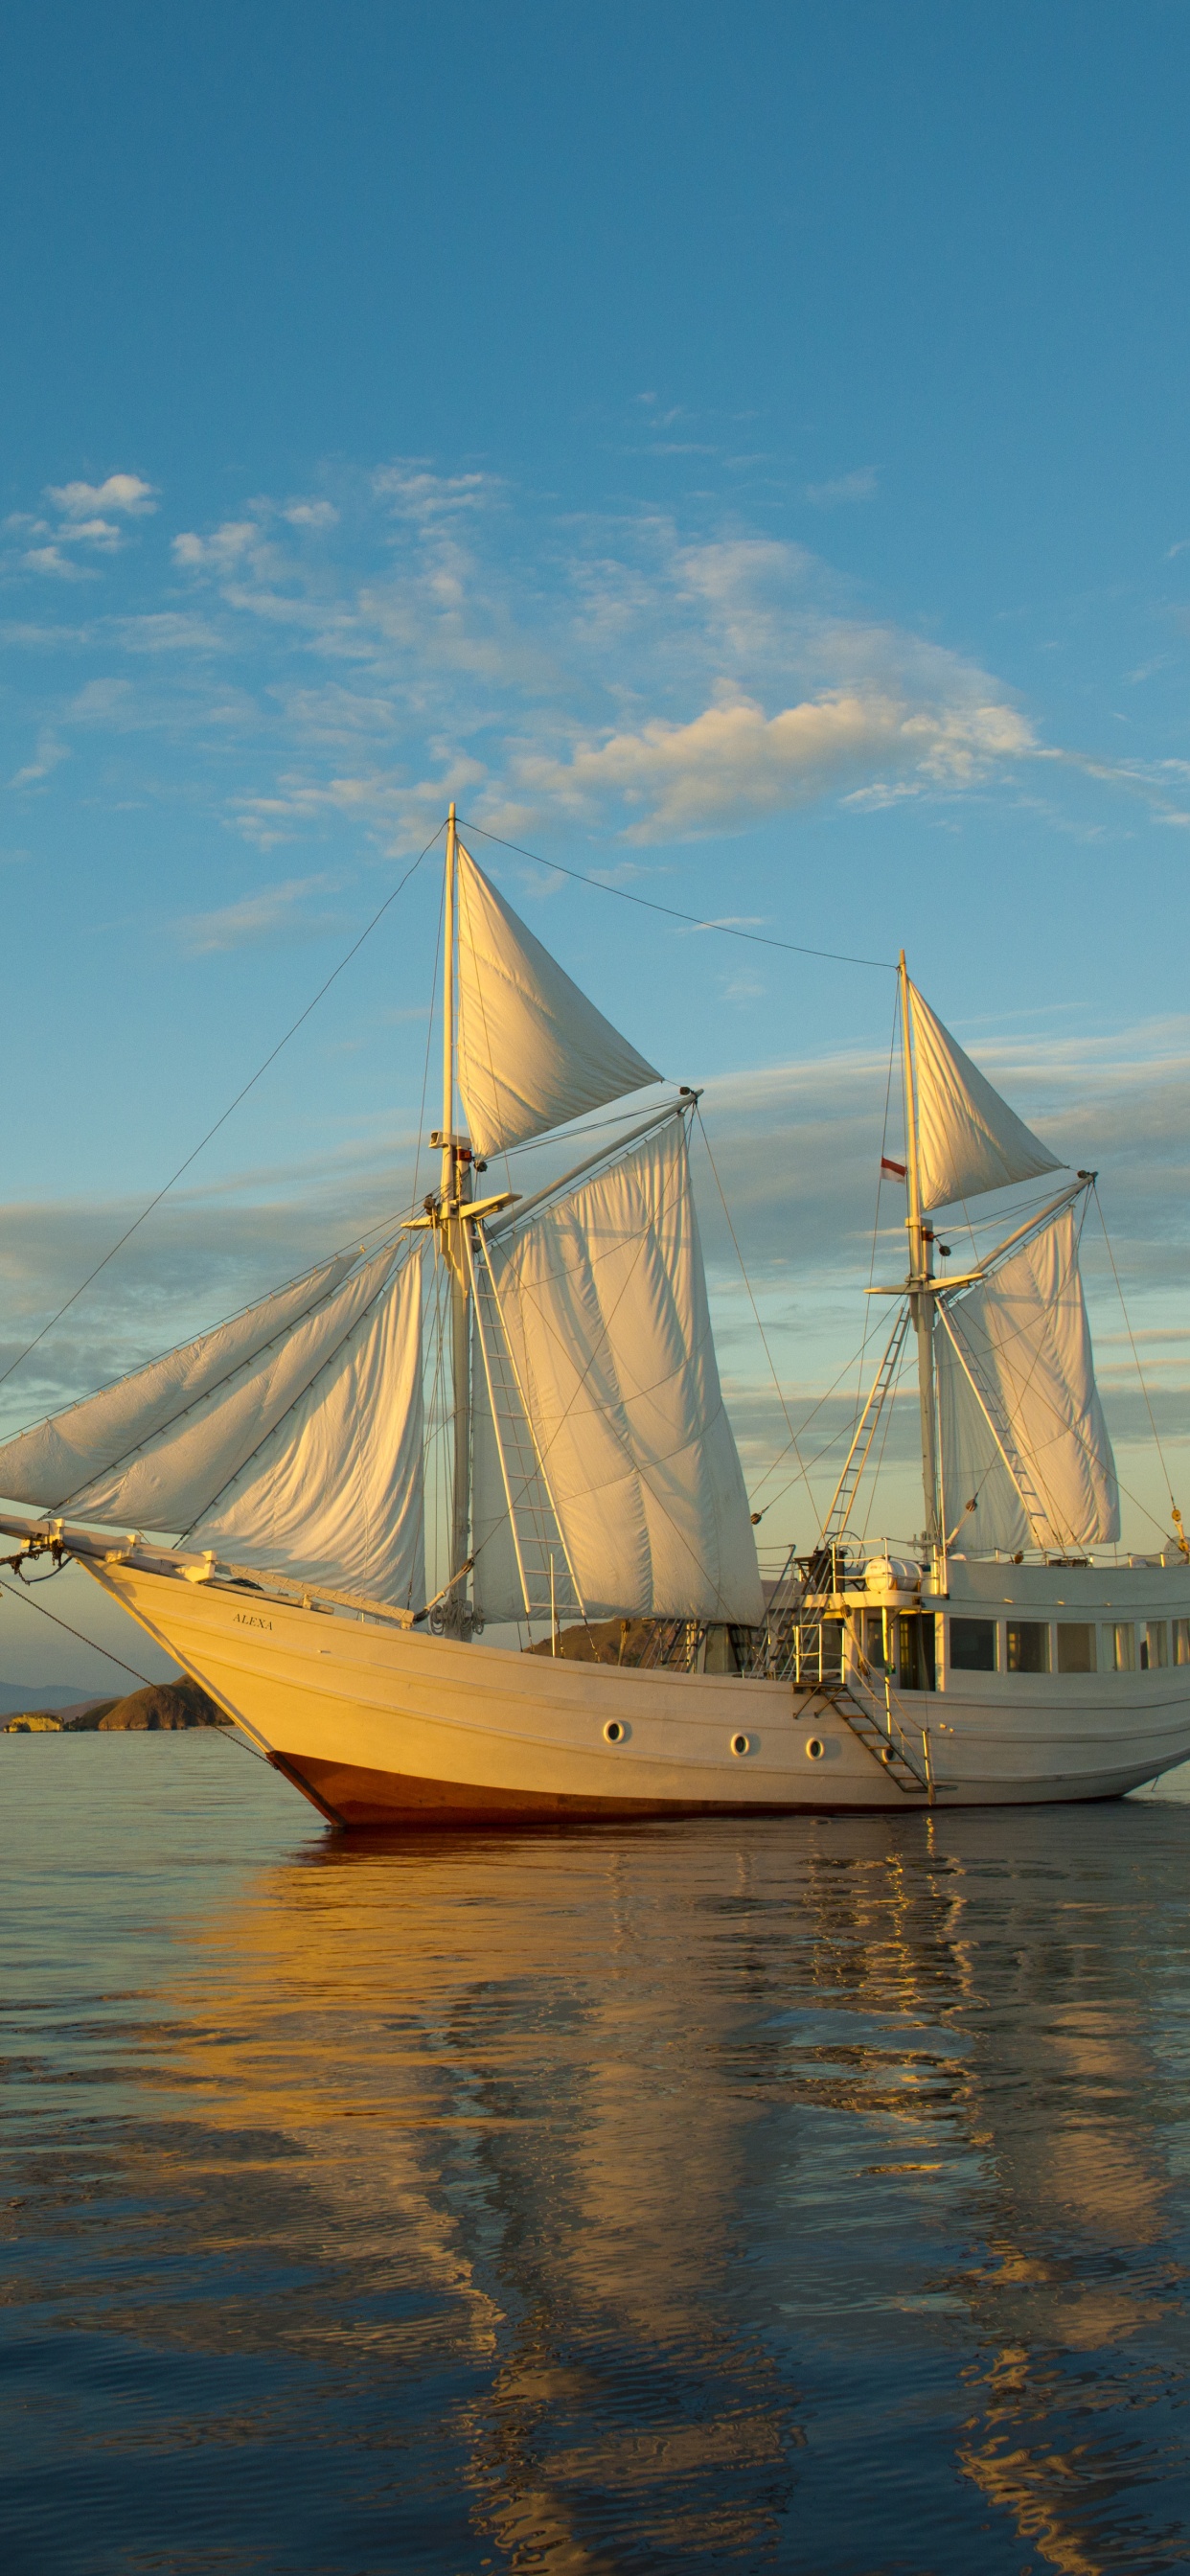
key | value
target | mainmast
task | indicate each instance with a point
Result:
(921, 1297)
(455, 1192)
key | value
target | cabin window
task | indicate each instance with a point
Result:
(1076, 1646)
(1028, 1646)
(1122, 1640)
(1181, 1641)
(1154, 1645)
(874, 1636)
(915, 1658)
(973, 1645)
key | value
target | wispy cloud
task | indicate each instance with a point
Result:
(271, 916)
(49, 755)
(415, 633)
(860, 485)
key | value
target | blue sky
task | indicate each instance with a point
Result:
(742, 454)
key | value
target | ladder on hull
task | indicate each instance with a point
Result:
(883, 1735)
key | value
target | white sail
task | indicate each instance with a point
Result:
(308, 1385)
(56, 1462)
(1024, 1334)
(981, 1504)
(605, 1309)
(532, 1050)
(335, 1493)
(968, 1139)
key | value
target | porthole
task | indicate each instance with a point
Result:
(741, 1744)
(815, 1748)
(613, 1732)
(886, 1753)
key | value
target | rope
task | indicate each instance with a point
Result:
(756, 1315)
(726, 929)
(863, 1348)
(20, 1592)
(1182, 1541)
(221, 1121)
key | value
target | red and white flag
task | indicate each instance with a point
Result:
(898, 1170)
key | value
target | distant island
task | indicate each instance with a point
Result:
(161, 1708)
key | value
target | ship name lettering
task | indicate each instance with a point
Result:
(250, 1619)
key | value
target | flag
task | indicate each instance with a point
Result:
(897, 1170)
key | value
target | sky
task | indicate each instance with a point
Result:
(740, 455)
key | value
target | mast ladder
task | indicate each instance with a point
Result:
(858, 1456)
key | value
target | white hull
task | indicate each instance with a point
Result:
(388, 1726)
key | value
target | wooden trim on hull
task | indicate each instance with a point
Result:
(355, 1798)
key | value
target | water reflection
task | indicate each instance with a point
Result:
(698, 2196)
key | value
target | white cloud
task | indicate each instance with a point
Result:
(127, 493)
(221, 551)
(417, 493)
(311, 514)
(93, 532)
(734, 765)
(52, 561)
(270, 916)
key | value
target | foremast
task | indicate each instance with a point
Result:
(921, 1280)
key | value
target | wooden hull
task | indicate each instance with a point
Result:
(381, 1726)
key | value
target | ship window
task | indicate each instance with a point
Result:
(1154, 1645)
(1181, 1641)
(874, 1636)
(1123, 1646)
(1028, 1646)
(1076, 1646)
(973, 1645)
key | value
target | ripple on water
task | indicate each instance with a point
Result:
(798, 2192)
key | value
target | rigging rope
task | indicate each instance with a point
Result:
(21, 1593)
(756, 1314)
(1183, 1542)
(221, 1121)
(726, 929)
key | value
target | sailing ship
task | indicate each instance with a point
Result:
(594, 1639)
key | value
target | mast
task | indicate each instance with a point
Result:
(456, 1188)
(921, 1302)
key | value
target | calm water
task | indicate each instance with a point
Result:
(800, 2194)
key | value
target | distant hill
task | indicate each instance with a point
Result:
(161, 1707)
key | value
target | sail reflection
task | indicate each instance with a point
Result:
(703, 2196)
(558, 2085)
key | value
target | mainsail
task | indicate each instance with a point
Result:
(533, 1052)
(968, 1139)
(1021, 1427)
(601, 1297)
(291, 1435)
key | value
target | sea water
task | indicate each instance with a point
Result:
(803, 2193)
